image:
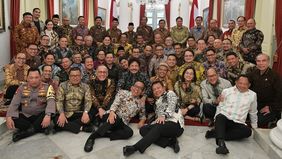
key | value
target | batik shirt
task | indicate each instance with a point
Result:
(219, 67)
(126, 106)
(166, 106)
(251, 39)
(128, 79)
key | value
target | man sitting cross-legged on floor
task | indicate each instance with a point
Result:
(31, 108)
(235, 104)
(74, 104)
(125, 106)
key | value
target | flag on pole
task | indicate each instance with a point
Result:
(194, 13)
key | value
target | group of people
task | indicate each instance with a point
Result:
(96, 80)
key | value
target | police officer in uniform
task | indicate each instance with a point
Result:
(31, 108)
(74, 104)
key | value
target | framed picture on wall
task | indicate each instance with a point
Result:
(102, 12)
(2, 17)
(205, 17)
(70, 9)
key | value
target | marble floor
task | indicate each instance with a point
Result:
(65, 145)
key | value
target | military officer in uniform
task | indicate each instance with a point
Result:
(74, 104)
(31, 108)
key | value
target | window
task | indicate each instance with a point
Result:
(155, 12)
(231, 10)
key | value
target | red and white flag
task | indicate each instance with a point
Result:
(194, 13)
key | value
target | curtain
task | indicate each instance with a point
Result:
(278, 25)
(142, 11)
(218, 12)
(210, 10)
(250, 9)
(167, 14)
(15, 13)
(86, 11)
(50, 8)
(111, 13)
(95, 7)
(193, 13)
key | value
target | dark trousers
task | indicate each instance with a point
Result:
(34, 121)
(10, 92)
(194, 111)
(115, 131)
(160, 134)
(229, 130)
(209, 110)
(74, 122)
(263, 120)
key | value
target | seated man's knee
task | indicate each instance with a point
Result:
(129, 133)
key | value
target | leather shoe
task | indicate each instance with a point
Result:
(175, 146)
(128, 150)
(23, 134)
(221, 149)
(89, 145)
(210, 134)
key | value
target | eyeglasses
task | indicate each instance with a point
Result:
(138, 87)
(21, 58)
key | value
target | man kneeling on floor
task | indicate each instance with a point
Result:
(125, 106)
(236, 103)
(31, 108)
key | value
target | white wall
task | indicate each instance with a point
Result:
(5, 40)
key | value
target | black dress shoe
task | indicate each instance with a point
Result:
(221, 149)
(176, 147)
(23, 134)
(128, 150)
(210, 134)
(89, 145)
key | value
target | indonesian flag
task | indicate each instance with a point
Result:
(113, 11)
(194, 13)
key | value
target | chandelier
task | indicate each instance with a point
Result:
(152, 2)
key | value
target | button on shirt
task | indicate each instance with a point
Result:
(236, 105)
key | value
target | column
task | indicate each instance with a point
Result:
(123, 15)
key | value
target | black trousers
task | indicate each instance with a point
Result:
(160, 134)
(229, 130)
(23, 122)
(263, 120)
(194, 111)
(115, 131)
(74, 122)
(10, 92)
(209, 110)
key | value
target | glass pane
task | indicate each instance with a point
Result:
(150, 20)
(160, 14)
(149, 14)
